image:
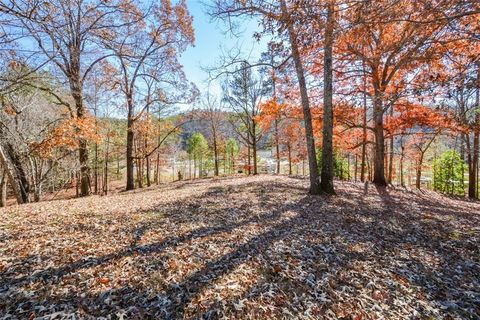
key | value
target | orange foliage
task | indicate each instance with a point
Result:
(67, 134)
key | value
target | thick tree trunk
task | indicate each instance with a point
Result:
(326, 183)
(473, 168)
(83, 145)
(379, 164)
(307, 116)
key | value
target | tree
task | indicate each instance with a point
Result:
(393, 40)
(278, 18)
(448, 173)
(64, 32)
(197, 148)
(243, 93)
(232, 150)
(215, 117)
(147, 49)
(34, 140)
(422, 124)
(327, 171)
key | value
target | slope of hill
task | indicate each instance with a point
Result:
(250, 247)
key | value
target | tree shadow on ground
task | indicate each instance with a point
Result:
(328, 237)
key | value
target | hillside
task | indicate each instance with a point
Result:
(249, 247)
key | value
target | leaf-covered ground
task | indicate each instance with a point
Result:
(242, 248)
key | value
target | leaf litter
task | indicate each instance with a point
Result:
(242, 248)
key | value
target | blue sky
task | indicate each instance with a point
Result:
(210, 40)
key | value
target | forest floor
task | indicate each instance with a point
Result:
(250, 248)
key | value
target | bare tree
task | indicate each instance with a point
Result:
(66, 33)
(146, 52)
(243, 93)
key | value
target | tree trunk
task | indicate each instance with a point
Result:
(16, 174)
(194, 167)
(215, 153)
(157, 170)
(249, 159)
(364, 127)
(118, 166)
(254, 150)
(473, 168)
(390, 161)
(277, 147)
(147, 165)
(225, 161)
(402, 182)
(379, 164)
(356, 168)
(105, 172)
(310, 140)
(3, 189)
(139, 163)
(418, 184)
(82, 146)
(129, 155)
(95, 172)
(189, 167)
(326, 183)
(289, 148)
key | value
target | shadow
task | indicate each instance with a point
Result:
(268, 250)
